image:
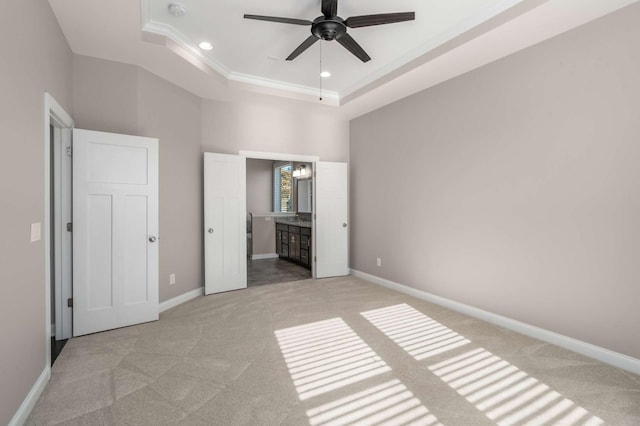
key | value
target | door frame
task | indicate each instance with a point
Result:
(54, 115)
(62, 245)
(275, 156)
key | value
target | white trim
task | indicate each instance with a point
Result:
(264, 256)
(180, 39)
(179, 300)
(60, 115)
(168, 31)
(261, 155)
(20, 417)
(53, 113)
(601, 354)
(333, 96)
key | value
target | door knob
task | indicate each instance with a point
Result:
(211, 230)
(344, 225)
(152, 239)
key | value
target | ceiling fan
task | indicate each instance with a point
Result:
(330, 26)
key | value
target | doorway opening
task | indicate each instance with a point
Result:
(57, 213)
(225, 216)
(279, 218)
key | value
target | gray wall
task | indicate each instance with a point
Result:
(35, 59)
(120, 98)
(270, 124)
(259, 193)
(259, 189)
(115, 97)
(515, 188)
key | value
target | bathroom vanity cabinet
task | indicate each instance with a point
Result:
(293, 242)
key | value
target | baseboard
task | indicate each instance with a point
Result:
(264, 256)
(32, 397)
(179, 300)
(587, 349)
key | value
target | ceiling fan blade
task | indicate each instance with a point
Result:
(304, 46)
(329, 8)
(380, 19)
(352, 46)
(277, 19)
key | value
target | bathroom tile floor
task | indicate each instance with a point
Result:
(270, 271)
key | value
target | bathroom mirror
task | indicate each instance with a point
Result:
(304, 196)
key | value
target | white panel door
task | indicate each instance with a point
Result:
(332, 232)
(115, 231)
(225, 238)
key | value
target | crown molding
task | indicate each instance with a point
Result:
(261, 84)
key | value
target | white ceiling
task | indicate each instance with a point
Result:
(447, 38)
(256, 49)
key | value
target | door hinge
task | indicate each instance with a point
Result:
(70, 302)
(69, 152)
(69, 227)
(314, 216)
(315, 259)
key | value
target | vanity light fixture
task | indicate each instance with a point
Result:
(300, 171)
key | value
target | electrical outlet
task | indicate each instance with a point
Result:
(267, 219)
(378, 262)
(172, 279)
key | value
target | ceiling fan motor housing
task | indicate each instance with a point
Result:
(328, 29)
(330, 26)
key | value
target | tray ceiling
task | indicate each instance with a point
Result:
(447, 38)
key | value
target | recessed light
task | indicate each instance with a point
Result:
(325, 74)
(205, 45)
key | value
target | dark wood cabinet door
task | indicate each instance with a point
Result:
(294, 246)
(304, 258)
(294, 243)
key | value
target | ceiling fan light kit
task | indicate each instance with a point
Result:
(331, 27)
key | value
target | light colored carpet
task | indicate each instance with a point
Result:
(325, 352)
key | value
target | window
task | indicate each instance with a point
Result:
(282, 187)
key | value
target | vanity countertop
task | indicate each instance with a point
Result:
(291, 222)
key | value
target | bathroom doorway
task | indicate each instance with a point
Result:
(279, 221)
